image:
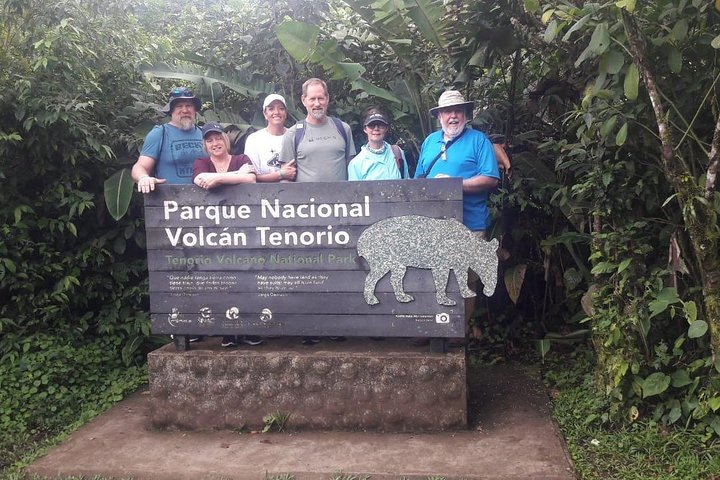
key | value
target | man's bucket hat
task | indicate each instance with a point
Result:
(181, 93)
(453, 98)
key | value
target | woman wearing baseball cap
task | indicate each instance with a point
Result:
(377, 160)
(220, 168)
(263, 146)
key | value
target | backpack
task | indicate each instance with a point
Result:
(397, 153)
(238, 138)
(300, 133)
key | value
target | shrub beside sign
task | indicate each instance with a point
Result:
(282, 259)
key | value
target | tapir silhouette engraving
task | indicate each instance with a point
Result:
(393, 244)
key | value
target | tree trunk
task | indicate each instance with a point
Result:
(696, 205)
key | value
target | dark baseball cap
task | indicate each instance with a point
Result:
(375, 116)
(212, 127)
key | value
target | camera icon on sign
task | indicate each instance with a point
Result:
(442, 318)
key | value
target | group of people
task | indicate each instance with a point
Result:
(320, 148)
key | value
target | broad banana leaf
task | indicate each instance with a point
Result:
(203, 75)
(118, 192)
(301, 41)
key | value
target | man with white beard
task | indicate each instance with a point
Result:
(456, 150)
(170, 149)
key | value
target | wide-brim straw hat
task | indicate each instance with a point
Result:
(453, 98)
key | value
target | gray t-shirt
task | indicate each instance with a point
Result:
(321, 154)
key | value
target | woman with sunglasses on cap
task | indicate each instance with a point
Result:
(220, 168)
(377, 160)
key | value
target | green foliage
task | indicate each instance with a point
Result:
(651, 325)
(343, 476)
(282, 476)
(72, 94)
(301, 41)
(118, 193)
(56, 383)
(635, 321)
(603, 449)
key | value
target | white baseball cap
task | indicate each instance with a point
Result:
(271, 98)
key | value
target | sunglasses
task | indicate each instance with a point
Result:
(375, 125)
(181, 92)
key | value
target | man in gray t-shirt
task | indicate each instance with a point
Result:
(323, 152)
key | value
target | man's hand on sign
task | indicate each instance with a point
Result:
(146, 184)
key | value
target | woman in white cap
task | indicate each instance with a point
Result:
(263, 146)
(377, 160)
(220, 168)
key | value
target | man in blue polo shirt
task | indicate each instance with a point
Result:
(456, 150)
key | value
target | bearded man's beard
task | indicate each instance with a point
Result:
(318, 114)
(186, 124)
(452, 130)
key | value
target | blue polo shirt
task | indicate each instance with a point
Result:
(470, 155)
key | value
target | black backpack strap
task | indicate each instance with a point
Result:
(341, 131)
(432, 163)
(446, 146)
(162, 142)
(299, 134)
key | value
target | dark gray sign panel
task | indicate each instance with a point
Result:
(282, 259)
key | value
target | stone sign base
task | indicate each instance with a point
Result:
(359, 384)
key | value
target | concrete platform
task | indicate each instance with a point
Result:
(511, 436)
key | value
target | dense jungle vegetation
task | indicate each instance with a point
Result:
(608, 221)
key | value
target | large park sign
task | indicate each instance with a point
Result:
(345, 258)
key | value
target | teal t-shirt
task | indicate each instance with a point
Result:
(174, 151)
(376, 166)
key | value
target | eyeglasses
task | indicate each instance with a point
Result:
(374, 125)
(181, 92)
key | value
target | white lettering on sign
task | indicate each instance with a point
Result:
(312, 210)
(203, 236)
(199, 238)
(214, 213)
(305, 238)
